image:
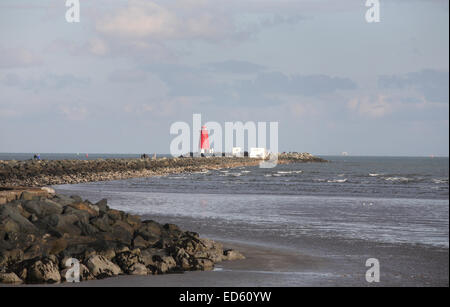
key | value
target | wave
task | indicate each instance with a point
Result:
(374, 174)
(320, 180)
(289, 172)
(439, 181)
(398, 179)
(337, 180)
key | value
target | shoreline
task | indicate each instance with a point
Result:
(265, 266)
(259, 261)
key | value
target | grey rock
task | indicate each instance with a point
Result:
(101, 267)
(43, 271)
(230, 255)
(10, 278)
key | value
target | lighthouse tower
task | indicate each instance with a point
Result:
(204, 140)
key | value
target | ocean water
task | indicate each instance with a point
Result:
(386, 200)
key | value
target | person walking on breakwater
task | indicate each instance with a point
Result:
(37, 157)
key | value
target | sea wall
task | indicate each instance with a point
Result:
(32, 173)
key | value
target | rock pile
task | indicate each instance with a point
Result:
(39, 173)
(299, 157)
(41, 235)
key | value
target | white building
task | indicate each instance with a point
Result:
(258, 152)
(236, 151)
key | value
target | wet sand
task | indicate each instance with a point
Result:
(263, 266)
(266, 266)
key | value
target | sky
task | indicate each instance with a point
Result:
(116, 81)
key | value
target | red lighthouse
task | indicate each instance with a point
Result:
(204, 140)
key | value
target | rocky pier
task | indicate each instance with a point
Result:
(38, 173)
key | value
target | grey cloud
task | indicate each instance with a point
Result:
(18, 57)
(51, 81)
(127, 76)
(262, 89)
(308, 85)
(235, 67)
(432, 84)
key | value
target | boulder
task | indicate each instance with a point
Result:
(90, 209)
(183, 259)
(101, 267)
(122, 232)
(12, 211)
(34, 251)
(230, 254)
(42, 208)
(63, 200)
(163, 264)
(115, 215)
(211, 250)
(10, 257)
(126, 260)
(10, 278)
(150, 229)
(139, 242)
(86, 228)
(26, 195)
(102, 205)
(57, 246)
(61, 224)
(107, 253)
(204, 264)
(172, 228)
(85, 274)
(103, 223)
(138, 269)
(76, 198)
(43, 271)
(147, 255)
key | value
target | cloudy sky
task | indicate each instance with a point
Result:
(117, 80)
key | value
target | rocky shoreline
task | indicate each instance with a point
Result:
(38, 173)
(41, 233)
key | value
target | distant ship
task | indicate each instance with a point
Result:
(344, 153)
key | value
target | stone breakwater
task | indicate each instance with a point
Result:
(43, 173)
(41, 232)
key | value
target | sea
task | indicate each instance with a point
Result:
(386, 199)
